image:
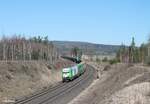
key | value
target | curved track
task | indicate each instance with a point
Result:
(63, 92)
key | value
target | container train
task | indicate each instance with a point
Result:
(68, 74)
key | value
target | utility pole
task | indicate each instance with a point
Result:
(149, 49)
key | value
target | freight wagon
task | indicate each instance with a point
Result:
(68, 74)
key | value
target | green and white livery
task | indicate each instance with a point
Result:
(69, 74)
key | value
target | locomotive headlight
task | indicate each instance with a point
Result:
(65, 75)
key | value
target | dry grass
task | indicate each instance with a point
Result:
(20, 78)
(120, 84)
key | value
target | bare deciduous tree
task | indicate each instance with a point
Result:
(20, 48)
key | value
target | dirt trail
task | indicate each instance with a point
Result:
(119, 84)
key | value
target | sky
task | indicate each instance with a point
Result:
(97, 21)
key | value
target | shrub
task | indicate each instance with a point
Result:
(107, 67)
(148, 60)
(105, 59)
(98, 60)
(113, 61)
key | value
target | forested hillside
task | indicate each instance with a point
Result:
(87, 48)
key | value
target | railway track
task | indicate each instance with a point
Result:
(34, 96)
(52, 95)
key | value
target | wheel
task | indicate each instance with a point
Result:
(63, 81)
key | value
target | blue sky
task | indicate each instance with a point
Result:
(97, 21)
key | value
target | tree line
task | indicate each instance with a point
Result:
(20, 48)
(133, 54)
(76, 52)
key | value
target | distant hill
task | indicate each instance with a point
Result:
(87, 48)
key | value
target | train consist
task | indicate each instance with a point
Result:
(68, 74)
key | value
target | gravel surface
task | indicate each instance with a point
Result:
(119, 84)
(63, 92)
